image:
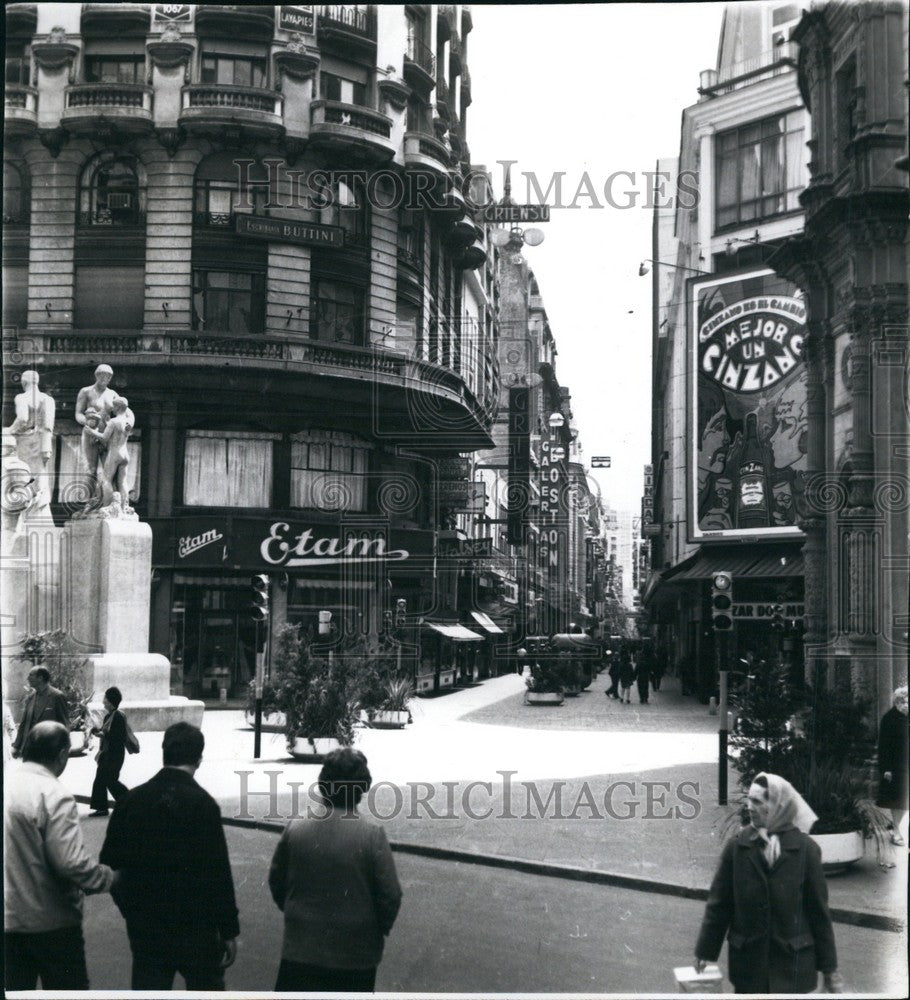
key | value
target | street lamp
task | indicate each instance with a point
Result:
(645, 266)
(731, 249)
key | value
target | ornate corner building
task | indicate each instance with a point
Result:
(257, 216)
(852, 260)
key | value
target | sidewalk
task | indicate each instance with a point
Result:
(600, 790)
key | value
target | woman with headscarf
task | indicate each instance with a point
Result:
(770, 898)
(892, 763)
(333, 877)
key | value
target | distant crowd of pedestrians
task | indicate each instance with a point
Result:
(633, 662)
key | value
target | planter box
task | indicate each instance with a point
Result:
(272, 722)
(544, 698)
(388, 719)
(313, 748)
(839, 850)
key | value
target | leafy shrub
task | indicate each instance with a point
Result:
(547, 677)
(68, 668)
(765, 740)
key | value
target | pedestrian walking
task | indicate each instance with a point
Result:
(643, 670)
(892, 763)
(770, 898)
(658, 669)
(613, 673)
(177, 894)
(334, 878)
(626, 675)
(46, 869)
(44, 703)
(111, 754)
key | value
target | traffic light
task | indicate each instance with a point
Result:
(401, 609)
(777, 618)
(260, 606)
(722, 601)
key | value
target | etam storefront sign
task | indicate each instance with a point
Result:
(236, 543)
(285, 548)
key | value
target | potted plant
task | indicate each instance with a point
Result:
(546, 685)
(317, 693)
(68, 669)
(834, 790)
(817, 740)
(394, 712)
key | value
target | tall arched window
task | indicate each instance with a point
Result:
(112, 192)
(16, 200)
(349, 208)
(228, 183)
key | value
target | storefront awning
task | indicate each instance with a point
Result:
(487, 622)
(754, 564)
(457, 633)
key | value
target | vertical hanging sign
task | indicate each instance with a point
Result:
(748, 424)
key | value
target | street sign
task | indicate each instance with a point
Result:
(297, 18)
(600, 462)
(516, 213)
(173, 12)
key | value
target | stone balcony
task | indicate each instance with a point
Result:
(347, 126)
(231, 111)
(389, 380)
(424, 152)
(20, 106)
(98, 108)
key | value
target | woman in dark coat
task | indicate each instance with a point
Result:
(110, 755)
(770, 898)
(626, 675)
(892, 763)
(643, 672)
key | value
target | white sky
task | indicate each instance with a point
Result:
(597, 88)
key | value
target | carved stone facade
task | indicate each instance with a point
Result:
(852, 264)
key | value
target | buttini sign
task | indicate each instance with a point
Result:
(748, 423)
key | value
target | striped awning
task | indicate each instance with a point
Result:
(487, 622)
(457, 633)
(753, 564)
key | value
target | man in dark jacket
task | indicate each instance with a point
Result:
(44, 704)
(177, 893)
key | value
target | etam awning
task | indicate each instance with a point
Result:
(487, 622)
(457, 633)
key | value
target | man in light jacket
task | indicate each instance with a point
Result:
(47, 869)
(44, 704)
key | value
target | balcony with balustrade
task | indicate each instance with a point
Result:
(419, 63)
(98, 108)
(347, 26)
(343, 127)
(20, 104)
(764, 66)
(406, 390)
(116, 18)
(228, 110)
(423, 152)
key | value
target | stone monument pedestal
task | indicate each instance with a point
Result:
(107, 569)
